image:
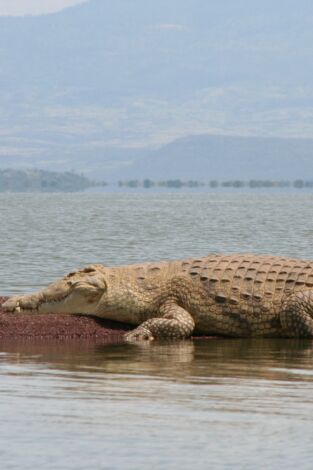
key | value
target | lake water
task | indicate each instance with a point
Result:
(218, 403)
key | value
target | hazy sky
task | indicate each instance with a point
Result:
(34, 7)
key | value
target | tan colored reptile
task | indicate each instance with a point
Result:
(229, 295)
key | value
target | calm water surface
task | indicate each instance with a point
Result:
(207, 404)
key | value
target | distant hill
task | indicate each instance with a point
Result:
(199, 157)
(43, 181)
(206, 157)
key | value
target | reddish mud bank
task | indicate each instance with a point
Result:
(57, 326)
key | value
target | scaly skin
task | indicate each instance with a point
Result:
(233, 295)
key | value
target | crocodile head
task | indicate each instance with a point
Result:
(78, 292)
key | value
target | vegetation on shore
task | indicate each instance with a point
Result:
(34, 180)
(177, 183)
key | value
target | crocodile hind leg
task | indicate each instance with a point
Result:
(175, 323)
(297, 315)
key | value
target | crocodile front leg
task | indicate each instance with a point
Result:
(176, 323)
(296, 315)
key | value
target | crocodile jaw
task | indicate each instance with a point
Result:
(64, 296)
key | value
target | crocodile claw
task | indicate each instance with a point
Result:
(139, 334)
(12, 305)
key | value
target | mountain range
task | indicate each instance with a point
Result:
(110, 88)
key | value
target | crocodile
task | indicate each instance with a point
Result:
(235, 295)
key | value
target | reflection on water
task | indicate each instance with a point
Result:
(189, 360)
(222, 403)
(218, 403)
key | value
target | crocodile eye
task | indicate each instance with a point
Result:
(89, 269)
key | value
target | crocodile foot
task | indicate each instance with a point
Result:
(22, 303)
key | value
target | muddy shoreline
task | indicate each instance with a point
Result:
(52, 326)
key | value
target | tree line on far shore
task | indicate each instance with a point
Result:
(254, 183)
(12, 180)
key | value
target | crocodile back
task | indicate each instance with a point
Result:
(250, 277)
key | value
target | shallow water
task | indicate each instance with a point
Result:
(208, 404)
